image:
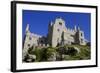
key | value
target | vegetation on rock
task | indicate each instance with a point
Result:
(67, 52)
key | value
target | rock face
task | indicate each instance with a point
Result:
(72, 51)
(52, 57)
(76, 48)
(68, 50)
(30, 58)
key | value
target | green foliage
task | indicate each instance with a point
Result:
(42, 54)
(50, 51)
(31, 51)
(71, 51)
(84, 53)
(38, 53)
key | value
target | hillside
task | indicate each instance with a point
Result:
(61, 53)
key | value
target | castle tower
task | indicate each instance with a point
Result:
(26, 41)
(56, 32)
(79, 37)
(75, 28)
(49, 35)
(27, 27)
(27, 30)
(78, 28)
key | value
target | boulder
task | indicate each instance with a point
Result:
(72, 51)
(30, 58)
(52, 57)
(76, 48)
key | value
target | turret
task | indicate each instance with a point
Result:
(27, 27)
(27, 32)
(51, 23)
(78, 28)
(75, 28)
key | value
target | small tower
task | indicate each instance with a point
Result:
(57, 29)
(51, 23)
(27, 27)
(75, 28)
(79, 37)
(26, 41)
(78, 28)
(49, 35)
(27, 32)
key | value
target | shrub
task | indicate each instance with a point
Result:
(71, 51)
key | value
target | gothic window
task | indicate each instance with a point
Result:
(30, 38)
(28, 45)
(58, 30)
(81, 40)
(81, 34)
(60, 23)
(41, 41)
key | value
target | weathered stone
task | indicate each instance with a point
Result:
(29, 58)
(57, 34)
(52, 57)
(76, 48)
(32, 56)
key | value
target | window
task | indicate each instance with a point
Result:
(41, 41)
(58, 30)
(28, 45)
(30, 38)
(81, 34)
(81, 40)
(60, 23)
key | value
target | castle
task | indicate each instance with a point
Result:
(58, 34)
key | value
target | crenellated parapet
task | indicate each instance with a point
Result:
(71, 31)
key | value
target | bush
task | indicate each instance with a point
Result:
(67, 52)
(71, 51)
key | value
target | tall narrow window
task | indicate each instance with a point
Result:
(30, 38)
(81, 34)
(81, 40)
(58, 30)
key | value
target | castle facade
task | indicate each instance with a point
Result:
(58, 34)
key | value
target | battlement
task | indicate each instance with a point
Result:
(36, 35)
(70, 30)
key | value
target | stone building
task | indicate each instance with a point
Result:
(58, 34)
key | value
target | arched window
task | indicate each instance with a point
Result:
(60, 23)
(58, 30)
(28, 45)
(30, 38)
